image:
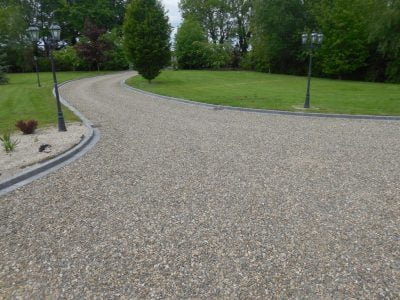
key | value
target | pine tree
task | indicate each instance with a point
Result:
(147, 33)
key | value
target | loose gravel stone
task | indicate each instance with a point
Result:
(182, 201)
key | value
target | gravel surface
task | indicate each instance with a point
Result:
(27, 154)
(182, 201)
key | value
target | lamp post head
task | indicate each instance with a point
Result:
(55, 31)
(320, 38)
(33, 33)
(314, 37)
(304, 38)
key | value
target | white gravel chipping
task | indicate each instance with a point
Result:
(26, 153)
(178, 201)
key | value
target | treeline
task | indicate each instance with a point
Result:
(362, 38)
(91, 31)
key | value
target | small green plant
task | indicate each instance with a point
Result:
(8, 144)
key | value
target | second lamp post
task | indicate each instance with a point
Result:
(311, 41)
(50, 44)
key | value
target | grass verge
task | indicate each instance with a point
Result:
(21, 99)
(277, 92)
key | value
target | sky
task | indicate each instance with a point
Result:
(173, 12)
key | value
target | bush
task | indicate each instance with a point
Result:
(116, 59)
(219, 56)
(68, 60)
(27, 127)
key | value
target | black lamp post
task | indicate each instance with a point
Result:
(311, 41)
(50, 44)
(37, 70)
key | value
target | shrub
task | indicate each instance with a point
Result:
(191, 45)
(67, 59)
(8, 144)
(116, 59)
(27, 127)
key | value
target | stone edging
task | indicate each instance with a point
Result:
(264, 111)
(50, 166)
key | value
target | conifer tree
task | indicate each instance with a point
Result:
(147, 33)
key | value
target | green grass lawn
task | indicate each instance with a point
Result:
(278, 92)
(21, 99)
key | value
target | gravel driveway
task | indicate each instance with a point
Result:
(182, 201)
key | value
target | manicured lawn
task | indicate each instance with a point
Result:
(23, 100)
(278, 92)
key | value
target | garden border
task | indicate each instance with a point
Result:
(52, 165)
(264, 111)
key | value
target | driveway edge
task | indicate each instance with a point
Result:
(264, 111)
(52, 165)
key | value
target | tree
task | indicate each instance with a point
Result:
(147, 34)
(345, 50)
(213, 15)
(12, 37)
(116, 58)
(105, 14)
(93, 48)
(277, 26)
(190, 45)
(384, 30)
(241, 11)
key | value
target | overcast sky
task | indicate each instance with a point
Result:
(173, 12)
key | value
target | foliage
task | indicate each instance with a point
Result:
(241, 11)
(9, 144)
(190, 48)
(277, 27)
(67, 59)
(345, 49)
(116, 58)
(12, 38)
(93, 47)
(147, 34)
(27, 127)
(3, 76)
(384, 30)
(105, 14)
(214, 16)
(218, 55)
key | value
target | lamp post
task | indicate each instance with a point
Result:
(50, 44)
(310, 41)
(37, 70)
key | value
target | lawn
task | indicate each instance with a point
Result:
(277, 92)
(23, 100)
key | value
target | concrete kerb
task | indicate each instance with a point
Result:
(264, 111)
(50, 166)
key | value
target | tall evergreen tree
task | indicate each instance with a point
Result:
(147, 33)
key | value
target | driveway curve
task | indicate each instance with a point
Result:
(184, 201)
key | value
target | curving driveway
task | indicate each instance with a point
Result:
(183, 201)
